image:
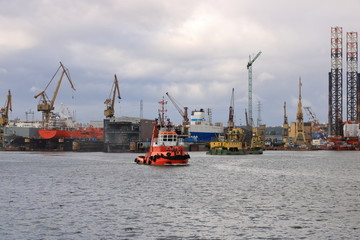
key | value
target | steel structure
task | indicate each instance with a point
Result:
(358, 96)
(46, 105)
(335, 83)
(184, 114)
(299, 132)
(315, 123)
(4, 112)
(110, 101)
(352, 76)
(230, 122)
(259, 120)
(285, 130)
(249, 67)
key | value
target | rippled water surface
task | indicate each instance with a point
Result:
(277, 195)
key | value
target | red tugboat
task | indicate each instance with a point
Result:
(166, 146)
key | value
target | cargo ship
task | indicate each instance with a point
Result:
(201, 129)
(166, 148)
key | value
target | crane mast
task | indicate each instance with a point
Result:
(249, 67)
(4, 112)
(110, 101)
(230, 122)
(46, 104)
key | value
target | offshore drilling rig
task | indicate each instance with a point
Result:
(336, 81)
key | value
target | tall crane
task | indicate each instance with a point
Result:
(4, 112)
(230, 122)
(285, 130)
(110, 101)
(184, 114)
(299, 132)
(249, 67)
(46, 105)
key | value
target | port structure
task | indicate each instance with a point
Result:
(285, 128)
(109, 112)
(46, 105)
(299, 132)
(230, 123)
(315, 123)
(249, 67)
(352, 76)
(335, 84)
(184, 114)
(4, 112)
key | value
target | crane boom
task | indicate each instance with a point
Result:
(110, 101)
(4, 112)
(46, 105)
(251, 61)
(184, 114)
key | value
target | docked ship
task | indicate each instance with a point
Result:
(232, 143)
(166, 146)
(235, 142)
(201, 129)
(62, 126)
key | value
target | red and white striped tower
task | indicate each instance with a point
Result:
(352, 76)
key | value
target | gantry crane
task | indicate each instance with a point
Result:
(110, 101)
(249, 67)
(4, 112)
(184, 114)
(230, 122)
(46, 105)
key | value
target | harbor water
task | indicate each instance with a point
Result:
(277, 195)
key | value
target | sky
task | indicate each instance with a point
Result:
(197, 51)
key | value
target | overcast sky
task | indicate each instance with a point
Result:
(195, 50)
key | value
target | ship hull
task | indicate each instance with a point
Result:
(225, 152)
(172, 156)
(74, 134)
(162, 161)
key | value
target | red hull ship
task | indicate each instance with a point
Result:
(88, 133)
(166, 146)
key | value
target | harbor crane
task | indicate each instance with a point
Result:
(4, 112)
(317, 129)
(249, 67)
(184, 114)
(110, 101)
(285, 130)
(230, 122)
(46, 105)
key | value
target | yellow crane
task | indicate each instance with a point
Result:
(110, 101)
(46, 105)
(4, 112)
